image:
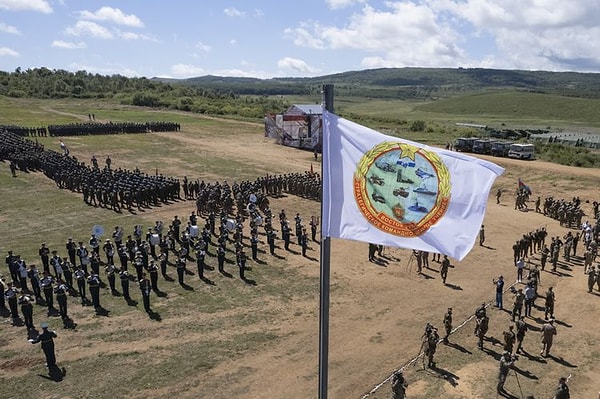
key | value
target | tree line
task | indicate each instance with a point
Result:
(45, 83)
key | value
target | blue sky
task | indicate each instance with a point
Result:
(268, 38)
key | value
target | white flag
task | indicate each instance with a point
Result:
(385, 190)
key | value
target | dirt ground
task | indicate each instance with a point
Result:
(379, 310)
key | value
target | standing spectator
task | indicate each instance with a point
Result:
(520, 266)
(499, 290)
(548, 333)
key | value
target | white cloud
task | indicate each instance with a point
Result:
(26, 5)
(187, 71)
(9, 29)
(337, 4)
(406, 34)
(234, 12)
(68, 45)
(82, 28)
(134, 36)
(105, 70)
(112, 15)
(202, 47)
(8, 52)
(233, 42)
(258, 13)
(295, 65)
(550, 34)
(302, 37)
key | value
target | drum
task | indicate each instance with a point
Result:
(154, 239)
(251, 207)
(230, 225)
(194, 231)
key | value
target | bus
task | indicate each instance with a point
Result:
(522, 151)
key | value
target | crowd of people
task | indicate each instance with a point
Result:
(81, 268)
(530, 255)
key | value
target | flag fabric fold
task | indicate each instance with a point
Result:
(385, 190)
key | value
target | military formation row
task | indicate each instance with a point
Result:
(92, 128)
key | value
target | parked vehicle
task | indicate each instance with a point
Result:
(464, 144)
(500, 148)
(522, 151)
(482, 146)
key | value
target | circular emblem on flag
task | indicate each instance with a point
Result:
(402, 189)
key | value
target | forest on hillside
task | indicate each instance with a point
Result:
(48, 84)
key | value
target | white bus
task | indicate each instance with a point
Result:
(522, 151)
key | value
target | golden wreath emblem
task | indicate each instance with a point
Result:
(402, 189)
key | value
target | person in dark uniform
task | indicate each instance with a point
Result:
(27, 310)
(61, 291)
(124, 277)
(123, 256)
(221, 258)
(44, 254)
(562, 391)
(271, 240)
(175, 224)
(68, 272)
(180, 265)
(80, 276)
(285, 234)
(254, 246)
(313, 228)
(11, 297)
(138, 264)
(521, 331)
(506, 362)
(447, 325)
(71, 250)
(304, 241)
(94, 285)
(481, 235)
(444, 268)
(34, 276)
(47, 340)
(153, 270)
(14, 272)
(145, 287)
(2, 298)
(399, 385)
(200, 255)
(47, 284)
(111, 277)
(163, 259)
(241, 261)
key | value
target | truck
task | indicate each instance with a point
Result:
(464, 144)
(500, 148)
(482, 146)
(521, 151)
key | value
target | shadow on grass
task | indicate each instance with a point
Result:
(186, 287)
(55, 374)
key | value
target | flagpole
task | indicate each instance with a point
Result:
(324, 275)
